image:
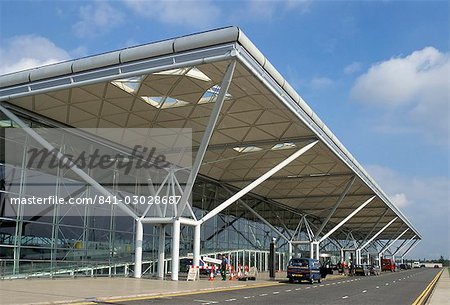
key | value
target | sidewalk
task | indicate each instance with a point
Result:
(441, 293)
(60, 291)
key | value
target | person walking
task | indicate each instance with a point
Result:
(223, 267)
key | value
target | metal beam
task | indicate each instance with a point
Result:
(214, 116)
(320, 196)
(213, 147)
(290, 178)
(411, 247)
(338, 202)
(376, 224)
(347, 218)
(257, 182)
(392, 242)
(263, 220)
(378, 233)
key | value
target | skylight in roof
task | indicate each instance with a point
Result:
(210, 95)
(191, 72)
(286, 145)
(130, 84)
(164, 102)
(244, 149)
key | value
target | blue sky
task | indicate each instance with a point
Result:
(376, 72)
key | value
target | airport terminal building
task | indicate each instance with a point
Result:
(246, 160)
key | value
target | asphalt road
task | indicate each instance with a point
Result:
(389, 288)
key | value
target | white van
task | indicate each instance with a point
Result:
(416, 265)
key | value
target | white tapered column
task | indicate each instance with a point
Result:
(161, 251)
(138, 250)
(175, 249)
(196, 261)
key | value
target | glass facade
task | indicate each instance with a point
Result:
(50, 242)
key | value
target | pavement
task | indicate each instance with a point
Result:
(70, 290)
(390, 288)
(441, 293)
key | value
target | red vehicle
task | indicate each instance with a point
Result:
(387, 264)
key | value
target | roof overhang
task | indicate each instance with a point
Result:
(263, 111)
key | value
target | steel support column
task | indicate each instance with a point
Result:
(358, 251)
(257, 182)
(347, 218)
(196, 250)
(336, 205)
(161, 250)
(138, 250)
(207, 136)
(175, 249)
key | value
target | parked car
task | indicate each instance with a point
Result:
(304, 269)
(362, 270)
(436, 266)
(403, 267)
(416, 265)
(375, 270)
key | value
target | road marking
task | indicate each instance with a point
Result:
(206, 301)
(364, 291)
(327, 284)
(421, 298)
(333, 283)
(276, 292)
(378, 287)
(345, 297)
(288, 290)
(230, 300)
(263, 294)
(305, 288)
(393, 281)
(301, 289)
(387, 284)
(322, 285)
(246, 297)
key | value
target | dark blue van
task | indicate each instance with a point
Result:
(304, 269)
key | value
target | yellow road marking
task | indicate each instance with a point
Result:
(427, 290)
(176, 294)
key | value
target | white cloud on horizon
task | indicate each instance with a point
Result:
(29, 51)
(96, 18)
(425, 201)
(411, 92)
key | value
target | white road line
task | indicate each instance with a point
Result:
(378, 287)
(288, 290)
(322, 285)
(364, 291)
(333, 283)
(305, 288)
(301, 289)
(327, 284)
(345, 297)
(230, 300)
(387, 284)
(246, 297)
(263, 294)
(276, 292)
(206, 301)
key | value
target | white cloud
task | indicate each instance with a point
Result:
(412, 91)
(29, 51)
(321, 82)
(352, 68)
(266, 9)
(197, 14)
(96, 18)
(399, 200)
(425, 201)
